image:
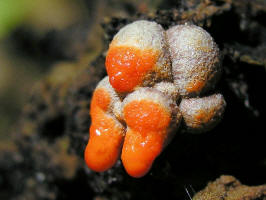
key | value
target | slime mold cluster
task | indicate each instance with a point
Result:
(156, 80)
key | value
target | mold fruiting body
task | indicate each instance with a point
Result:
(137, 56)
(202, 114)
(135, 109)
(106, 132)
(148, 115)
(195, 59)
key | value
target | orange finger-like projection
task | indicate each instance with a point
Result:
(148, 115)
(106, 132)
(138, 56)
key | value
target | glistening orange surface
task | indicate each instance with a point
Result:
(195, 85)
(147, 128)
(101, 98)
(106, 135)
(127, 66)
(146, 115)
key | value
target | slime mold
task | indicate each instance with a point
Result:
(106, 132)
(195, 59)
(149, 115)
(202, 114)
(138, 56)
(135, 111)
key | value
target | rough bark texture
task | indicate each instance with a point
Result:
(47, 159)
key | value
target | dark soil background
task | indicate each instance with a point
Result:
(41, 155)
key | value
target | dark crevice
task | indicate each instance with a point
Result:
(74, 188)
(260, 18)
(225, 28)
(53, 128)
(218, 2)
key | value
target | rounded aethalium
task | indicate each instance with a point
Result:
(138, 56)
(202, 114)
(134, 110)
(150, 118)
(106, 132)
(195, 59)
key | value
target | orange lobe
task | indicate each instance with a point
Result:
(101, 99)
(127, 66)
(145, 136)
(106, 134)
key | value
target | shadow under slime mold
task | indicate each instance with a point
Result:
(234, 147)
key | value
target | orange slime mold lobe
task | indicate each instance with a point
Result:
(106, 135)
(127, 66)
(101, 99)
(147, 130)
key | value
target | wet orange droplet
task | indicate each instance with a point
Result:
(106, 135)
(140, 150)
(127, 66)
(145, 137)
